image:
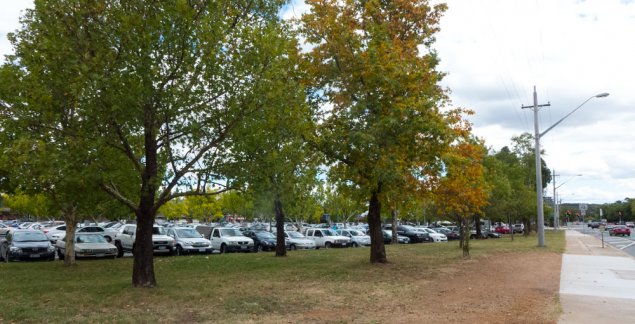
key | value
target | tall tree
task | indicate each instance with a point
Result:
(372, 74)
(270, 154)
(162, 86)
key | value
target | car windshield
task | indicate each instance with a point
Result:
(295, 235)
(188, 233)
(158, 230)
(265, 235)
(29, 237)
(231, 232)
(329, 232)
(356, 233)
(90, 239)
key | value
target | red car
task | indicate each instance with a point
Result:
(622, 230)
(502, 230)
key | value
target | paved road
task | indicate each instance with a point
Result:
(626, 244)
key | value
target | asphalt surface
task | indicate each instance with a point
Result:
(597, 281)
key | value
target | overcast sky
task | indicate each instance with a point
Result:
(496, 51)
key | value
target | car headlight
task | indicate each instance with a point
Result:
(51, 248)
(187, 243)
(15, 249)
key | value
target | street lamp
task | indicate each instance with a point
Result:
(538, 135)
(556, 207)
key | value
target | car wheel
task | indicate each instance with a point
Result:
(355, 244)
(223, 248)
(119, 249)
(108, 238)
(258, 248)
(293, 247)
(327, 245)
(178, 250)
(60, 254)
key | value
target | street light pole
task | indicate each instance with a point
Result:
(556, 209)
(538, 135)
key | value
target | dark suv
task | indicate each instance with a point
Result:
(26, 245)
(412, 233)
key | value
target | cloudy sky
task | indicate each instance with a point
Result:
(496, 51)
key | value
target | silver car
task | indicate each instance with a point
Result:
(88, 245)
(188, 240)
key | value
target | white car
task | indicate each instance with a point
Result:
(358, 238)
(434, 235)
(125, 239)
(55, 233)
(229, 239)
(327, 238)
(188, 240)
(296, 240)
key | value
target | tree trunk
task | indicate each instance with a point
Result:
(465, 237)
(281, 248)
(377, 248)
(393, 213)
(69, 239)
(143, 266)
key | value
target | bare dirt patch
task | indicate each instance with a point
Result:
(505, 288)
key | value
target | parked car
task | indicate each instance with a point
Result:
(621, 230)
(412, 233)
(295, 240)
(55, 233)
(451, 235)
(188, 240)
(88, 245)
(502, 229)
(125, 240)
(434, 235)
(358, 238)
(518, 228)
(491, 234)
(388, 237)
(630, 224)
(23, 244)
(263, 240)
(593, 225)
(326, 238)
(230, 239)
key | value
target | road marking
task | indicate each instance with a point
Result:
(622, 248)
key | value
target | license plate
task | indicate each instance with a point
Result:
(243, 247)
(34, 256)
(162, 247)
(201, 250)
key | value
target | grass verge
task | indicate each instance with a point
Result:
(235, 287)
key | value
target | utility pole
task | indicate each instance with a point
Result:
(539, 200)
(555, 203)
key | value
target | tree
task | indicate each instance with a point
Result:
(371, 72)
(463, 190)
(159, 87)
(270, 154)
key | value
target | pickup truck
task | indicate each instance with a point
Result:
(125, 239)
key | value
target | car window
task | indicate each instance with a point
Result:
(231, 232)
(90, 239)
(216, 233)
(265, 235)
(158, 230)
(188, 233)
(29, 237)
(294, 235)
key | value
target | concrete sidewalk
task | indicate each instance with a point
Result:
(597, 284)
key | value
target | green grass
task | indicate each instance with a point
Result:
(231, 287)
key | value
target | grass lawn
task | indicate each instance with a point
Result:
(234, 287)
